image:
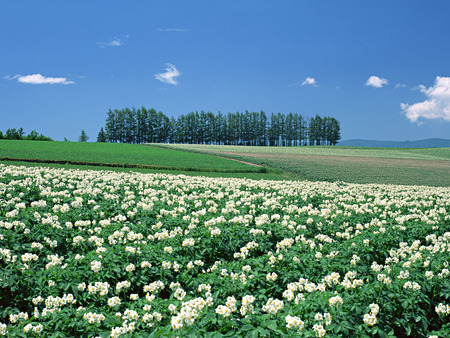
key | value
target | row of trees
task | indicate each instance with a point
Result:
(248, 128)
(19, 134)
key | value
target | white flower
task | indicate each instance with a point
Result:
(113, 301)
(442, 309)
(374, 309)
(96, 266)
(188, 242)
(271, 277)
(146, 264)
(336, 301)
(294, 323)
(370, 319)
(130, 267)
(180, 294)
(94, 317)
(223, 311)
(319, 330)
(122, 285)
(172, 308)
(273, 306)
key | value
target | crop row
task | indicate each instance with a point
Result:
(108, 254)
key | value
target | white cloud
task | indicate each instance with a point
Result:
(400, 85)
(437, 106)
(116, 42)
(170, 75)
(40, 79)
(375, 81)
(172, 29)
(310, 81)
(7, 77)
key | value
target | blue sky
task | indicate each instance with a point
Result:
(380, 67)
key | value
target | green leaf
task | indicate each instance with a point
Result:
(407, 329)
(272, 326)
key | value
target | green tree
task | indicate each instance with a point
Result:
(83, 136)
(101, 137)
(13, 134)
(111, 126)
(247, 128)
(32, 136)
(335, 131)
(262, 129)
(35, 136)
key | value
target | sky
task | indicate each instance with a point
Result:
(382, 68)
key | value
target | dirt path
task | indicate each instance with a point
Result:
(233, 159)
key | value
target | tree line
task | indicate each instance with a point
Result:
(241, 128)
(19, 134)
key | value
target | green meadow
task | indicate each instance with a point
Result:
(119, 154)
(126, 157)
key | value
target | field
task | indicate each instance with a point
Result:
(145, 255)
(156, 252)
(119, 155)
(430, 166)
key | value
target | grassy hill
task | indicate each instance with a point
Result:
(128, 156)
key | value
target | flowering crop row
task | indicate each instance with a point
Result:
(112, 254)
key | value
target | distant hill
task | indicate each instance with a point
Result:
(428, 143)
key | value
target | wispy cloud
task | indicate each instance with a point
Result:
(375, 81)
(116, 42)
(400, 85)
(310, 81)
(172, 29)
(170, 75)
(437, 106)
(40, 79)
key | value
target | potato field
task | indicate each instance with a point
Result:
(108, 254)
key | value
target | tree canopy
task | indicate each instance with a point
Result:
(83, 136)
(19, 134)
(241, 128)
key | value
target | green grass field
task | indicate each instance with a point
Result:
(110, 153)
(98, 156)
(429, 166)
